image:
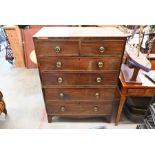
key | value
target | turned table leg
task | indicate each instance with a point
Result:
(120, 107)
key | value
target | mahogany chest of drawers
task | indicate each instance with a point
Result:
(79, 69)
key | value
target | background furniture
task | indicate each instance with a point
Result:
(149, 119)
(29, 45)
(14, 36)
(79, 69)
(146, 89)
(2, 104)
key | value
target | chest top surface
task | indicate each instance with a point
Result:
(80, 32)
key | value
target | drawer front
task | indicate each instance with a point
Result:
(59, 63)
(57, 48)
(105, 63)
(79, 94)
(79, 108)
(81, 63)
(141, 92)
(101, 48)
(106, 78)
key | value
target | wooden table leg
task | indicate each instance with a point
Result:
(120, 107)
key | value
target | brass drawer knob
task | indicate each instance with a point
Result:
(100, 64)
(95, 108)
(57, 49)
(97, 95)
(98, 79)
(58, 64)
(62, 109)
(59, 79)
(101, 49)
(61, 94)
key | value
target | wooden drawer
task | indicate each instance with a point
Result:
(79, 94)
(59, 63)
(101, 48)
(136, 92)
(12, 35)
(62, 79)
(150, 92)
(57, 48)
(79, 108)
(141, 92)
(79, 63)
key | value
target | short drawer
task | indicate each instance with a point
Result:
(79, 108)
(101, 48)
(62, 79)
(79, 94)
(57, 48)
(59, 63)
(79, 63)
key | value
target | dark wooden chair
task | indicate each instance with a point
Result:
(2, 105)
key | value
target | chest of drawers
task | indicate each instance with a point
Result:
(79, 69)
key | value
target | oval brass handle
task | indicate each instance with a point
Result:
(97, 95)
(59, 79)
(62, 109)
(100, 64)
(98, 79)
(57, 49)
(58, 64)
(95, 108)
(101, 49)
(61, 94)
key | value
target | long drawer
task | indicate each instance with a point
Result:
(62, 79)
(101, 47)
(79, 93)
(57, 48)
(79, 108)
(79, 63)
